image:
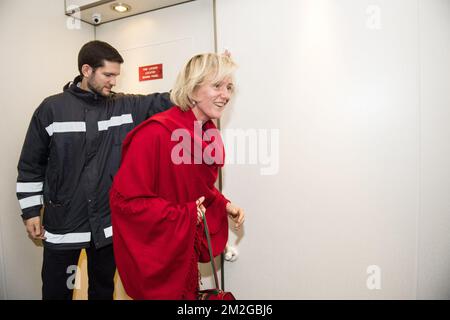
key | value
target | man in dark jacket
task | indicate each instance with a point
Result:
(69, 158)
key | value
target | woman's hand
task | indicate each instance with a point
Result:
(201, 210)
(236, 214)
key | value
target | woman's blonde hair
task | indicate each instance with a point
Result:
(200, 69)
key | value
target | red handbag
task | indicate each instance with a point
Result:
(216, 293)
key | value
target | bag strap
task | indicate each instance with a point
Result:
(208, 238)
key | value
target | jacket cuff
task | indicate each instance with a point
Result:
(31, 214)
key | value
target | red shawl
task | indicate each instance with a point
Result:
(157, 243)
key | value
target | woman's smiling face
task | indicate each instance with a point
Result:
(211, 98)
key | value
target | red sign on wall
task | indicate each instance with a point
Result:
(152, 72)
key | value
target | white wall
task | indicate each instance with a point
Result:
(39, 56)
(434, 219)
(359, 181)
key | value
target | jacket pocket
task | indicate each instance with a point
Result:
(51, 185)
(55, 216)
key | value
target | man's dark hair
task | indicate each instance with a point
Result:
(94, 53)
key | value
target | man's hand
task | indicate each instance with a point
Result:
(34, 228)
(236, 214)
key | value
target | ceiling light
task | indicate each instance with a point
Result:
(120, 7)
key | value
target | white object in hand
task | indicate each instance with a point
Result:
(231, 253)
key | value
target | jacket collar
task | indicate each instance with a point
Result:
(90, 97)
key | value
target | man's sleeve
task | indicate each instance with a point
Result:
(32, 166)
(144, 106)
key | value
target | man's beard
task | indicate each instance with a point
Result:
(94, 89)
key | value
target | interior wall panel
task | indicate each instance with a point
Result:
(339, 81)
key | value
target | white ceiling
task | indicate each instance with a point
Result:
(84, 9)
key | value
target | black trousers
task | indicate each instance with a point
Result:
(59, 267)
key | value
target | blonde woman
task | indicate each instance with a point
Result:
(166, 181)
